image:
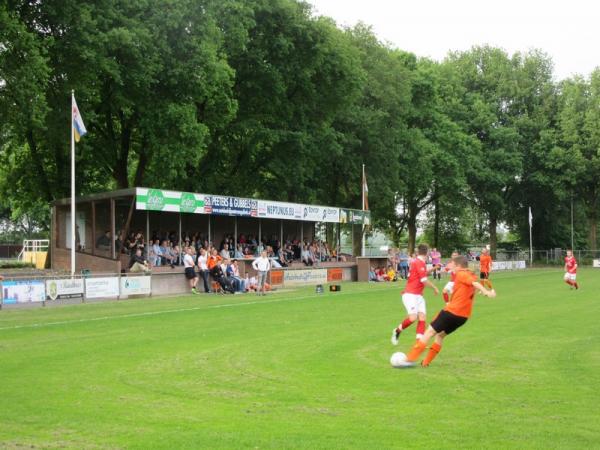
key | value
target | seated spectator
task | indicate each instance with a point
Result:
(137, 263)
(166, 258)
(391, 274)
(225, 252)
(219, 276)
(238, 252)
(233, 273)
(372, 275)
(176, 255)
(380, 272)
(306, 257)
(104, 241)
(154, 254)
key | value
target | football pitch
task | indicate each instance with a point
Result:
(300, 370)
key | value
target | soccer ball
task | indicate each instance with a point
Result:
(398, 359)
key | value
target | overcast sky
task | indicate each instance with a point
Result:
(567, 30)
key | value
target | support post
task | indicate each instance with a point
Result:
(180, 249)
(235, 235)
(73, 223)
(93, 228)
(113, 231)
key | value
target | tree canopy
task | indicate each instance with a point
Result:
(263, 98)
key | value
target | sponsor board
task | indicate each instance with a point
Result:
(335, 274)
(279, 210)
(136, 285)
(304, 276)
(276, 277)
(23, 291)
(230, 206)
(161, 200)
(596, 263)
(101, 287)
(320, 214)
(508, 265)
(64, 288)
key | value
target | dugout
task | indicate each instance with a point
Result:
(115, 214)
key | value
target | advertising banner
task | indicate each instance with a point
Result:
(64, 288)
(276, 277)
(508, 265)
(136, 285)
(304, 276)
(279, 210)
(102, 287)
(596, 263)
(320, 214)
(335, 274)
(160, 200)
(230, 206)
(23, 291)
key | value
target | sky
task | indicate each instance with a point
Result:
(568, 31)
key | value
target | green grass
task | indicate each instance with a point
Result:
(297, 370)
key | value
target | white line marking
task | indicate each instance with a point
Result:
(226, 305)
(170, 311)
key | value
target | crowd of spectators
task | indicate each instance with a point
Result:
(397, 265)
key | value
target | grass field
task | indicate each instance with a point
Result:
(299, 370)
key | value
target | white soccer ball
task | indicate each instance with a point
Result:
(398, 359)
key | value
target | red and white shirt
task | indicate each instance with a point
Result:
(416, 277)
(571, 264)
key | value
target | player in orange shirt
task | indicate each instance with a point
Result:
(485, 267)
(454, 315)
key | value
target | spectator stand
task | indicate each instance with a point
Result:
(112, 225)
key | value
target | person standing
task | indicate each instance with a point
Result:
(190, 272)
(485, 267)
(203, 267)
(436, 261)
(262, 265)
(571, 270)
(412, 296)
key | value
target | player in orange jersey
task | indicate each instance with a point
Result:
(485, 267)
(571, 270)
(454, 315)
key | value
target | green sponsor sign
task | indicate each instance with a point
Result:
(188, 202)
(158, 200)
(155, 200)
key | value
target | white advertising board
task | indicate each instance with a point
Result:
(596, 263)
(23, 291)
(64, 288)
(136, 285)
(102, 287)
(279, 210)
(304, 276)
(320, 214)
(508, 265)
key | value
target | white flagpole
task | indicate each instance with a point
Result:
(364, 237)
(530, 238)
(73, 224)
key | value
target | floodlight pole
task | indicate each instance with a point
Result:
(572, 235)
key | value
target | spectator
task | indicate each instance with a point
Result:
(403, 266)
(238, 252)
(219, 276)
(154, 255)
(306, 256)
(372, 275)
(137, 263)
(165, 254)
(262, 265)
(190, 271)
(225, 252)
(203, 267)
(103, 242)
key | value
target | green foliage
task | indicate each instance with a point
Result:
(10, 264)
(263, 98)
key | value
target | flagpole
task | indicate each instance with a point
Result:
(364, 237)
(530, 239)
(73, 224)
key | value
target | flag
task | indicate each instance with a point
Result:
(530, 218)
(365, 191)
(78, 126)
